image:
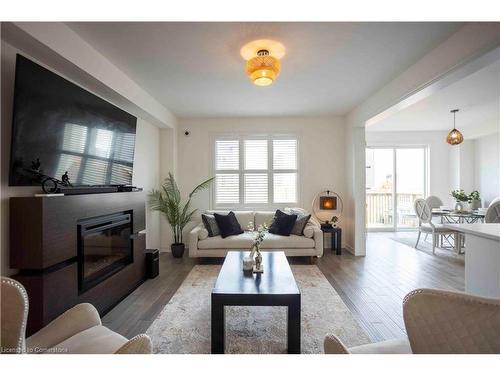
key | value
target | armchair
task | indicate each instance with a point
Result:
(78, 330)
(438, 322)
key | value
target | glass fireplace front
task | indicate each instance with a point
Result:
(104, 247)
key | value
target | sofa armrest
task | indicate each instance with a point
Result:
(77, 319)
(318, 241)
(333, 345)
(140, 344)
(193, 238)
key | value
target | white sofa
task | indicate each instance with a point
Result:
(310, 244)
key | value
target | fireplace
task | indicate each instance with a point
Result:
(105, 246)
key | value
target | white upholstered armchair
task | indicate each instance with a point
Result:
(77, 331)
(438, 322)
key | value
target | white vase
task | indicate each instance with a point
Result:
(462, 206)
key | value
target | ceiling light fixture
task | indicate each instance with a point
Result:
(263, 60)
(454, 136)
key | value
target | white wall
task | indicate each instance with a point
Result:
(487, 167)
(146, 171)
(168, 163)
(321, 148)
(439, 163)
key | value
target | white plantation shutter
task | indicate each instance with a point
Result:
(253, 172)
(227, 155)
(256, 188)
(285, 187)
(284, 154)
(227, 189)
(256, 154)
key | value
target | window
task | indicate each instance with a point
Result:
(258, 171)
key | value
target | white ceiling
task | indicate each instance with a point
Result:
(195, 69)
(477, 96)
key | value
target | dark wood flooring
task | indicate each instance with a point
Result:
(373, 287)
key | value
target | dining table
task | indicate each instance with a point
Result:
(459, 217)
(456, 217)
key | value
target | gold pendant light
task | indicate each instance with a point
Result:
(263, 60)
(454, 136)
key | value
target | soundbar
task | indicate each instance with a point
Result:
(74, 190)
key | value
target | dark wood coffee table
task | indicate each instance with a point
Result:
(275, 287)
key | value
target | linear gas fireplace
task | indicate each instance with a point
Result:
(105, 246)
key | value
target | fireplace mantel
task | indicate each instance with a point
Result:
(44, 247)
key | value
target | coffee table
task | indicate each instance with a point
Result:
(275, 287)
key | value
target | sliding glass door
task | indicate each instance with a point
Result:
(395, 177)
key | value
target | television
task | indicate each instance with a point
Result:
(59, 127)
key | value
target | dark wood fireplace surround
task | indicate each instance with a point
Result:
(43, 246)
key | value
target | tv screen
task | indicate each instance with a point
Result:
(59, 127)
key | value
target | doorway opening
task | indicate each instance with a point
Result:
(395, 177)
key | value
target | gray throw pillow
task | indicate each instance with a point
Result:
(211, 225)
(300, 223)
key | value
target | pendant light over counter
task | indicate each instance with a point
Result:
(454, 136)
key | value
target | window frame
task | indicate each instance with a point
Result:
(241, 137)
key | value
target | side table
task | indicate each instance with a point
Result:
(336, 237)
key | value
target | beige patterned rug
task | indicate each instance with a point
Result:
(184, 324)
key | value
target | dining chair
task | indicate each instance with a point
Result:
(433, 201)
(493, 212)
(425, 225)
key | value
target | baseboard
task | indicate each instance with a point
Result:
(350, 249)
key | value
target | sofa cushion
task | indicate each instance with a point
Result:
(283, 223)
(95, 340)
(395, 346)
(275, 241)
(263, 217)
(243, 217)
(210, 225)
(244, 242)
(228, 224)
(241, 241)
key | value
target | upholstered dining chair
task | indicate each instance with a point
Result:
(493, 212)
(438, 322)
(425, 225)
(77, 331)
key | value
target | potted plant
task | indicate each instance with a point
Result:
(461, 198)
(475, 200)
(168, 201)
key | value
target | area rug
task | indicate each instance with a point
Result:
(184, 324)
(426, 247)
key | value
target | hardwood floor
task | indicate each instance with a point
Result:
(373, 287)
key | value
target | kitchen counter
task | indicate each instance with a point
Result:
(486, 230)
(482, 257)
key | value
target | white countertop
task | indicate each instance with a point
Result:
(486, 230)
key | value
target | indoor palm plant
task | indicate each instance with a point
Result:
(168, 201)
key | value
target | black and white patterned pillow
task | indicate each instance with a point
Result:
(210, 225)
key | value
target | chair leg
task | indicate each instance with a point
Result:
(458, 242)
(426, 235)
(433, 243)
(418, 239)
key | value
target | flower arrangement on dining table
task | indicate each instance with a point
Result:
(464, 200)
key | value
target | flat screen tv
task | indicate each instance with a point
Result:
(59, 127)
